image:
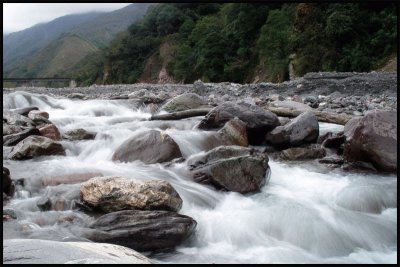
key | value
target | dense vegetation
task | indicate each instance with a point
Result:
(238, 41)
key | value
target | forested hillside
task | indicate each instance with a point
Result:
(245, 42)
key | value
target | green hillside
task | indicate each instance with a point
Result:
(57, 59)
(245, 42)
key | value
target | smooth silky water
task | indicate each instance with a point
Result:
(305, 214)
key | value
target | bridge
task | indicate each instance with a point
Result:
(32, 82)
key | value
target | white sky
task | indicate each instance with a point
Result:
(19, 16)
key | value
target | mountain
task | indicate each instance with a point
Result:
(21, 50)
(23, 43)
(56, 59)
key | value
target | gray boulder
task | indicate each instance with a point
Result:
(13, 118)
(150, 147)
(37, 251)
(35, 146)
(301, 130)
(232, 168)
(258, 121)
(141, 230)
(184, 102)
(373, 139)
(113, 193)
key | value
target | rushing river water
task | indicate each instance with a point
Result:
(306, 213)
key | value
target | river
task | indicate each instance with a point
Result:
(307, 213)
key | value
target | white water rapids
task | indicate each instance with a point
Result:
(306, 213)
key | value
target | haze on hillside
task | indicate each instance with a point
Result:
(20, 16)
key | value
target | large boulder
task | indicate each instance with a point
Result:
(150, 147)
(373, 139)
(301, 130)
(11, 129)
(50, 131)
(231, 168)
(79, 134)
(37, 251)
(117, 193)
(184, 102)
(38, 115)
(258, 121)
(141, 230)
(13, 139)
(35, 146)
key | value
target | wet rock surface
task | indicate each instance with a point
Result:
(231, 168)
(37, 251)
(142, 230)
(35, 146)
(150, 147)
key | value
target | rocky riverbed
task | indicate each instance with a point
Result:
(208, 173)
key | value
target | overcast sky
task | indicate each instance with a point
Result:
(19, 16)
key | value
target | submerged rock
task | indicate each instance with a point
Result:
(113, 193)
(72, 178)
(141, 230)
(302, 153)
(37, 251)
(79, 134)
(232, 168)
(35, 146)
(373, 139)
(150, 147)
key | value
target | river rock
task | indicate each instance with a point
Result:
(38, 115)
(13, 118)
(184, 102)
(114, 193)
(373, 139)
(73, 178)
(37, 251)
(50, 131)
(13, 139)
(79, 134)
(142, 230)
(258, 121)
(11, 129)
(232, 168)
(8, 185)
(234, 133)
(150, 147)
(301, 130)
(302, 153)
(35, 146)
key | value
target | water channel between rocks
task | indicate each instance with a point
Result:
(307, 213)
